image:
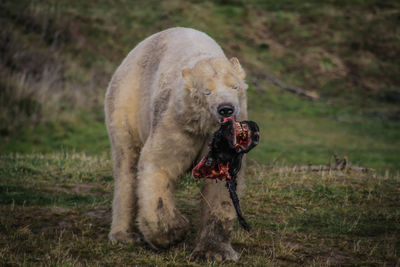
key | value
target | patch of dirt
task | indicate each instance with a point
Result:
(323, 62)
(50, 220)
(104, 215)
(81, 188)
(262, 36)
(336, 257)
(72, 188)
(59, 210)
(190, 201)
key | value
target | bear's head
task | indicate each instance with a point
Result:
(216, 85)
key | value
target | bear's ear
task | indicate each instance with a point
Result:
(238, 68)
(187, 78)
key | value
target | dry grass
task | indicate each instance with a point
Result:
(314, 219)
(39, 80)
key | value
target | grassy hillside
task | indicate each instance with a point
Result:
(57, 57)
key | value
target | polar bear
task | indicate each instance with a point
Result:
(162, 105)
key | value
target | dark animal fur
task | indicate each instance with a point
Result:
(222, 149)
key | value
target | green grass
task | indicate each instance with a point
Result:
(56, 60)
(293, 132)
(73, 132)
(56, 210)
(298, 132)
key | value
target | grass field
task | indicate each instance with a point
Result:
(56, 59)
(56, 211)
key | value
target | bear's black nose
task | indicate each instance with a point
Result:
(226, 110)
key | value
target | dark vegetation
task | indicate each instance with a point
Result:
(56, 59)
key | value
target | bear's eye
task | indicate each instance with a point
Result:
(235, 87)
(207, 93)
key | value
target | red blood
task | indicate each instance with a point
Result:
(220, 171)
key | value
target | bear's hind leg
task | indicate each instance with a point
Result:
(124, 209)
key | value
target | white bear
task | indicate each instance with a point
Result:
(162, 105)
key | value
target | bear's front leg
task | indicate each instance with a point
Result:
(218, 214)
(161, 162)
(159, 221)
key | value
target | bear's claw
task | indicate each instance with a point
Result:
(223, 252)
(125, 237)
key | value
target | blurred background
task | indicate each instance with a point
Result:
(57, 57)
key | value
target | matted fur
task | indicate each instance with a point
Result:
(161, 109)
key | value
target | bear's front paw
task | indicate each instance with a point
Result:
(125, 237)
(121, 237)
(214, 252)
(163, 230)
